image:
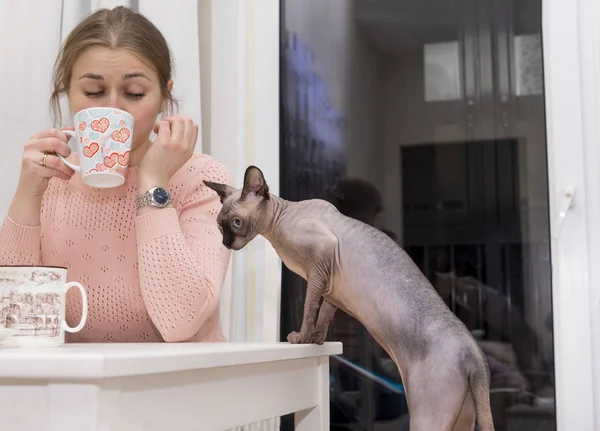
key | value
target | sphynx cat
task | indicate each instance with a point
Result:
(360, 270)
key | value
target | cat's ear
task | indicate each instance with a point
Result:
(223, 190)
(254, 184)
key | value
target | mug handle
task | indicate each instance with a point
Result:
(84, 310)
(74, 137)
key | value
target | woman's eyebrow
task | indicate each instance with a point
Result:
(135, 75)
(124, 77)
(92, 76)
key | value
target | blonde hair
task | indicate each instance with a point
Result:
(117, 28)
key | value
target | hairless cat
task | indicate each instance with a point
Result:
(360, 270)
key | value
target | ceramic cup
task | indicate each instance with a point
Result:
(102, 139)
(33, 304)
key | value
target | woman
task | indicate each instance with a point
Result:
(151, 274)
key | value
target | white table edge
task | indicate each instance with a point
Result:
(68, 363)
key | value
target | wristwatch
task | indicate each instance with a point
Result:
(156, 197)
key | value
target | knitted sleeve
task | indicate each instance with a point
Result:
(182, 262)
(20, 245)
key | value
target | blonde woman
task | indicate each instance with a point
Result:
(152, 272)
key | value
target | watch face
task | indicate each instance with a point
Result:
(160, 196)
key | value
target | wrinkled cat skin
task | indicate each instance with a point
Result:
(360, 270)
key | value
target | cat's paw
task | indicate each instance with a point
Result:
(319, 337)
(298, 338)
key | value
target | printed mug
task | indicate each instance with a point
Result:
(33, 302)
(103, 139)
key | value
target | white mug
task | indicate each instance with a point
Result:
(33, 305)
(103, 139)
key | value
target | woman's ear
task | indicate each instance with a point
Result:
(165, 104)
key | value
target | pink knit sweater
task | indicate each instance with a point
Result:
(149, 278)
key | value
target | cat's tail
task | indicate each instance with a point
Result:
(479, 383)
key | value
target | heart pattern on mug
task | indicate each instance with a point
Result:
(111, 160)
(86, 140)
(115, 145)
(94, 135)
(123, 159)
(100, 125)
(82, 126)
(100, 167)
(121, 135)
(90, 150)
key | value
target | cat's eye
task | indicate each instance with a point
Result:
(237, 222)
(220, 226)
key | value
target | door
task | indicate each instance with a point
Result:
(446, 124)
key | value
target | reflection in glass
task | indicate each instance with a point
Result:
(426, 119)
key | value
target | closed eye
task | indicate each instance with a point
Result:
(135, 96)
(93, 93)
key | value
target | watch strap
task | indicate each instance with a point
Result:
(146, 199)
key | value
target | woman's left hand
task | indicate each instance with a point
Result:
(173, 147)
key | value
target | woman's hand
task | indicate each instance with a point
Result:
(173, 147)
(40, 162)
(38, 165)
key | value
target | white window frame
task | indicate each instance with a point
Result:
(571, 65)
(245, 128)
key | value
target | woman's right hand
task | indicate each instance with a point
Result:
(37, 169)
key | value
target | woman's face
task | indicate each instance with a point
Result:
(117, 78)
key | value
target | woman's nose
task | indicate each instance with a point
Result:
(116, 100)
